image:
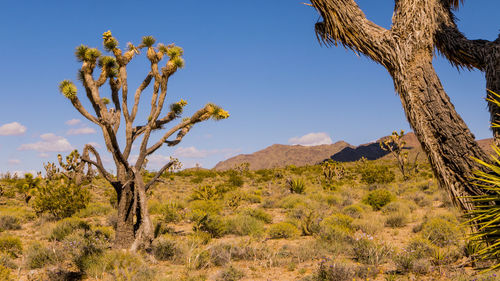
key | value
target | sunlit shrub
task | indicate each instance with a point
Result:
(378, 198)
(283, 230)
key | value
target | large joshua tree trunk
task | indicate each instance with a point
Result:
(134, 228)
(480, 54)
(406, 51)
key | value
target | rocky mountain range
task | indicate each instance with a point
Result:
(280, 155)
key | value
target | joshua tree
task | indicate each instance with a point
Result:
(406, 51)
(396, 145)
(134, 228)
(483, 55)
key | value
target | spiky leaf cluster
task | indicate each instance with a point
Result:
(216, 112)
(148, 41)
(68, 89)
(178, 107)
(109, 42)
(80, 52)
(106, 100)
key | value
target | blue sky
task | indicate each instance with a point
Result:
(258, 59)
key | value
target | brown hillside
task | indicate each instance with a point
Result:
(279, 155)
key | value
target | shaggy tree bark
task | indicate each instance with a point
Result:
(406, 51)
(134, 228)
(480, 54)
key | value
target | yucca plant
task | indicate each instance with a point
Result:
(485, 217)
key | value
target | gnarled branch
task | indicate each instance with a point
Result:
(158, 174)
(98, 163)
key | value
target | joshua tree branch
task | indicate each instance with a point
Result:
(78, 106)
(138, 93)
(98, 163)
(344, 22)
(459, 50)
(158, 174)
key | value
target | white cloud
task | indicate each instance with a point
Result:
(190, 152)
(12, 129)
(311, 139)
(14, 161)
(48, 143)
(193, 152)
(73, 122)
(44, 155)
(81, 131)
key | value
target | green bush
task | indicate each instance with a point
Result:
(67, 226)
(372, 174)
(84, 245)
(205, 192)
(368, 251)
(95, 210)
(283, 230)
(396, 220)
(259, 214)
(60, 199)
(245, 225)
(235, 179)
(8, 222)
(11, 245)
(297, 186)
(230, 274)
(378, 198)
(171, 212)
(336, 227)
(209, 223)
(440, 232)
(165, 248)
(120, 265)
(354, 211)
(5, 274)
(38, 256)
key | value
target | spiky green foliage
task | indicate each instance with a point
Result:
(80, 52)
(110, 43)
(178, 107)
(92, 54)
(106, 100)
(148, 41)
(107, 62)
(486, 215)
(68, 89)
(216, 112)
(178, 62)
(175, 52)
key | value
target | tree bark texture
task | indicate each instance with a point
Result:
(406, 51)
(483, 55)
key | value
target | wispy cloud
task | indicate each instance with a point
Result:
(14, 161)
(81, 131)
(12, 129)
(311, 139)
(73, 122)
(48, 143)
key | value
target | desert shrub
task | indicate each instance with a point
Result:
(235, 179)
(378, 198)
(310, 223)
(369, 226)
(171, 212)
(85, 245)
(67, 226)
(296, 185)
(422, 266)
(245, 225)
(396, 220)
(120, 265)
(440, 232)
(292, 201)
(259, 214)
(7, 261)
(11, 246)
(396, 207)
(372, 174)
(166, 248)
(220, 254)
(354, 211)
(404, 261)
(202, 206)
(233, 199)
(421, 199)
(209, 223)
(230, 274)
(5, 273)
(336, 227)
(328, 271)
(283, 230)
(420, 247)
(38, 256)
(8, 222)
(205, 192)
(368, 251)
(60, 199)
(95, 210)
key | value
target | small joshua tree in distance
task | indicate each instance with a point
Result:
(134, 227)
(396, 145)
